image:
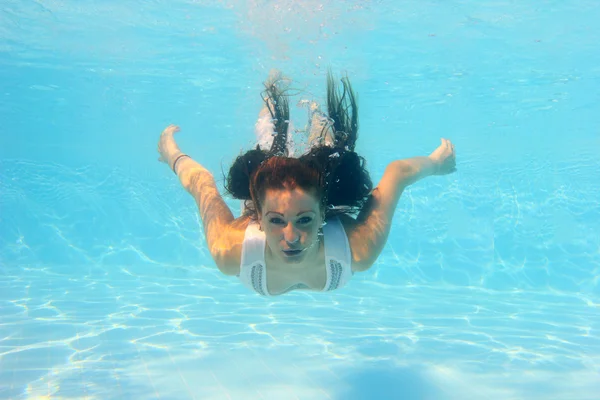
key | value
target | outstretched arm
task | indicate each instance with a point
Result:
(372, 226)
(199, 182)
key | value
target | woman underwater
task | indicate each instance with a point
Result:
(311, 221)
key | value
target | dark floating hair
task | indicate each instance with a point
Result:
(342, 108)
(344, 181)
(279, 108)
(239, 178)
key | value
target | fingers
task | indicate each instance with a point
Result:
(448, 144)
(171, 129)
(448, 156)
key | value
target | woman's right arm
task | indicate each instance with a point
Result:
(222, 239)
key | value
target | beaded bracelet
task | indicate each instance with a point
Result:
(177, 159)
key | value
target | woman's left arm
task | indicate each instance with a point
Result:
(370, 231)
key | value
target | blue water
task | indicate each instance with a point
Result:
(488, 286)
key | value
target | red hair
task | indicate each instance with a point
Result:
(280, 173)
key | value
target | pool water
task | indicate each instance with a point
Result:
(488, 286)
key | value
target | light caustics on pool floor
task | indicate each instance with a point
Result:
(107, 292)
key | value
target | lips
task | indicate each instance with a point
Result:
(291, 253)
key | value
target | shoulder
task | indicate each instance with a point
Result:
(348, 223)
(360, 260)
(230, 243)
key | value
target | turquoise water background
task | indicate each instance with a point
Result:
(488, 286)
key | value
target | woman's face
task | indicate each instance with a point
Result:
(291, 220)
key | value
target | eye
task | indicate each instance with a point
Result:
(276, 220)
(305, 220)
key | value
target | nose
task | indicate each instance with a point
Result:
(289, 234)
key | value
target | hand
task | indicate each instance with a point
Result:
(444, 158)
(167, 147)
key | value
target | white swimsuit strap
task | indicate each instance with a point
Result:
(338, 255)
(253, 272)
